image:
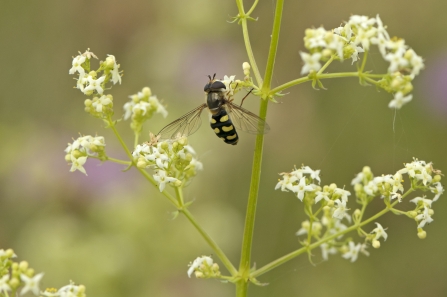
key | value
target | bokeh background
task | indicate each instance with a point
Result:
(114, 233)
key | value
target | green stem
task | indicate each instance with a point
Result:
(326, 65)
(301, 80)
(302, 250)
(113, 160)
(137, 137)
(273, 47)
(251, 57)
(244, 266)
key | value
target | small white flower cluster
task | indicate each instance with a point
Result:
(14, 275)
(82, 148)
(141, 107)
(70, 290)
(174, 162)
(204, 267)
(355, 37)
(422, 176)
(334, 200)
(88, 82)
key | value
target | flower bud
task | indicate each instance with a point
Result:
(110, 62)
(146, 92)
(93, 74)
(412, 214)
(23, 266)
(177, 183)
(422, 234)
(436, 178)
(376, 243)
(68, 157)
(14, 283)
(88, 102)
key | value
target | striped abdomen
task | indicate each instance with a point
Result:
(223, 127)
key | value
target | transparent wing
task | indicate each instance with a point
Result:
(245, 120)
(183, 126)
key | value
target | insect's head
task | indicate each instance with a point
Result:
(214, 85)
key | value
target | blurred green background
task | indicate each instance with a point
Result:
(114, 233)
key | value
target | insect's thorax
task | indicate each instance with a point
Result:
(215, 100)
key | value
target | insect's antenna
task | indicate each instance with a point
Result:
(214, 76)
(209, 76)
(246, 97)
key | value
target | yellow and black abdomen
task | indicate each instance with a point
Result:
(223, 127)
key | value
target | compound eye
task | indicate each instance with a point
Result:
(207, 87)
(218, 85)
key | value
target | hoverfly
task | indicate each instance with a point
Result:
(224, 114)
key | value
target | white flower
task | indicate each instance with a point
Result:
(70, 290)
(422, 201)
(424, 176)
(101, 102)
(301, 188)
(395, 195)
(361, 21)
(77, 164)
(353, 252)
(399, 100)
(31, 283)
(80, 84)
(395, 181)
(161, 178)
(322, 195)
(326, 250)
(380, 232)
(311, 62)
(314, 174)
(77, 65)
(343, 194)
(340, 209)
(364, 37)
(4, 287)
(355, 54)
(397, 61)
(438, 190)
(116, 77)
(159, 158)
(371, 188)
(198, 262)
(286, 183)
(158, 106)
(128, 108)
(94, 84)
(424, 218)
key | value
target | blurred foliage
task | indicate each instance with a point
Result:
(114, 233)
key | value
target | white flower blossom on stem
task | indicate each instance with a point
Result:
(116, 77)
(353, 252)
(326, 250)
(94, 84)
(424, 218)
(31, 283)
(438, 190)
(422, 201)
(380, 232)
(78, 164)
(302, 188)
(311, 62)
(286, 183)
(322, 195)
(4, 287)
(77, 65)
(314, 174)
(340, 209)
(162, 179)
(198, 262)
(101, 102)
(399, 100)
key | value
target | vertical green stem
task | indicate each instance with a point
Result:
(273, 47)
(244, 266)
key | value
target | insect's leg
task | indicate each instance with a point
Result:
(246, 97)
